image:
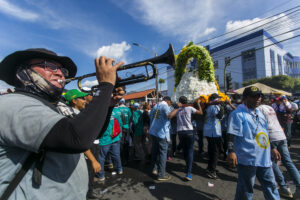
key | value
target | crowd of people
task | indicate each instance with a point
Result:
(250, 132)
(55, 144)
(247, 130)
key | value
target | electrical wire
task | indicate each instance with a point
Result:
(221, 35)
(266, 70)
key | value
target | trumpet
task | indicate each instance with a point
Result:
(167, 58)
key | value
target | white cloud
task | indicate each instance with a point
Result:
(88, 84)
(275, 25)
(188, 20)
(38, 13)
(209, 31)
(17, 12)
(73, 26)
(115, 51)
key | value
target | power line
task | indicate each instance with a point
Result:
(147, 86)
(253, 43)
(273, 27)
(246, 45)
(279, 5)
(248, 25)
(253, 29)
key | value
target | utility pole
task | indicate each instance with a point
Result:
(156, 70)
(156, 81)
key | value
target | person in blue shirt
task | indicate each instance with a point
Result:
(213, 133)
(249, 147)
(159, 130)
(228, 108)
(173, 131)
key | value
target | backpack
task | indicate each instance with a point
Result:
(36, 158)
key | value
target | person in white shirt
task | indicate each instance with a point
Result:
(283, 109)
(278, 141)
(186, 131)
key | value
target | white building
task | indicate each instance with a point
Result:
(248, 59)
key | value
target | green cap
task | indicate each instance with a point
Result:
(73, 94)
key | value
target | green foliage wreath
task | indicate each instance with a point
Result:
(205, 64)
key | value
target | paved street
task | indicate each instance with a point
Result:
(138, 183)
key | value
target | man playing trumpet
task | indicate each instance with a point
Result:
(33, 132)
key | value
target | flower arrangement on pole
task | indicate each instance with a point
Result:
(199, 80)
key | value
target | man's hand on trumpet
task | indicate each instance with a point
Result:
(106, 71)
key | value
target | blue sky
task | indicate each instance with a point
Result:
(83, 30)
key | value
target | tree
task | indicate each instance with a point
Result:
(281, 82)
(161, 81)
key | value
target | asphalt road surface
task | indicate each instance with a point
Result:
(137, 182)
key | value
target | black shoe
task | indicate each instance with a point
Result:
(94, 195)
(165, 178)
(285, 192)
(212, 175)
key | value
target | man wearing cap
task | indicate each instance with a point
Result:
(249, 147)
(77, 100)
(159, 130)
(30, 123)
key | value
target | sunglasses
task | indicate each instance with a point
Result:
(49, 66)
(82, 98)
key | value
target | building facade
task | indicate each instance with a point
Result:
(293, 65)
(253, 56)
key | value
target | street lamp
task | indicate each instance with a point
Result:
(156, 78)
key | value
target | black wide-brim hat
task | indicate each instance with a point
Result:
(11, 63)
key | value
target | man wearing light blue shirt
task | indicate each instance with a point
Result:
(213, 133)
(159, 129)
(249, 147)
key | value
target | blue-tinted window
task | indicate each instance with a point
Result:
(249, 65)
(279, 58)
(272, 58)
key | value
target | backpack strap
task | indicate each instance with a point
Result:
(37, 158)
(19, 176)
